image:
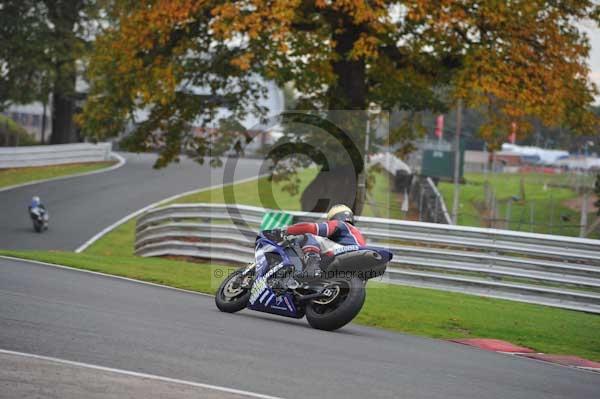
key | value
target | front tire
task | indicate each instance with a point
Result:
(37, 226)
(230, 296)
(332, 314)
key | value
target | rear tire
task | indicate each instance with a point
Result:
(342, 310)
(229, 298)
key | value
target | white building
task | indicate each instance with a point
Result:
(30, 117)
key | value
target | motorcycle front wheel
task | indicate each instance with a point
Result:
(231, 297)
(38, 226)
(335, 311)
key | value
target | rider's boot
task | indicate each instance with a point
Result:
(312, 269)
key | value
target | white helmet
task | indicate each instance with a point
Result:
(341, 212)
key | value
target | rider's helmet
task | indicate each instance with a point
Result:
(35, 200)
(341, 212)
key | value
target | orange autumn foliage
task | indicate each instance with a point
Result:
(517, 59)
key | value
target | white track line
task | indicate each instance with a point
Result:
(132, 280)
(119, 222)
(120, 159)
(141, 375)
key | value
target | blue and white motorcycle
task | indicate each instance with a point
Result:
(39, 216)
(329, 302)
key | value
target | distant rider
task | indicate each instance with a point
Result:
(322, 238)
(36, 203)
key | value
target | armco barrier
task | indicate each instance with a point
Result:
(543, 269)
(19, 157)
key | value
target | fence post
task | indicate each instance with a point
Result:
(531, 218)
(583, 219)
(551, 212)
(508, 210)
(421, 201)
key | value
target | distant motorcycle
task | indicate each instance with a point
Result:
(39, 217)
(329, 303)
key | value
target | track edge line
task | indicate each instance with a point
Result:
(127, 218)
(140, 375)
(129, 279)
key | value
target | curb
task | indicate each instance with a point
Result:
(507, 348)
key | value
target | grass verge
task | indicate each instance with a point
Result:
(544, 201)
(190, 276)
(14, 176)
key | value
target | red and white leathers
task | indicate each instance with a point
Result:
(323, 238)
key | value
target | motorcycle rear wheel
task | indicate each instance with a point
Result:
(230, 297)
(331, 314)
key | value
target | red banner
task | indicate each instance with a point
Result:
(513, 133)
(439, 126)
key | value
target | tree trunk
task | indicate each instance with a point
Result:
(340, 184)
(43, 140)
(64, 15)
(63, 110)
(328, 188)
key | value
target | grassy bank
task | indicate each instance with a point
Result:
(544, 199)
(11, 177)
(178, 274)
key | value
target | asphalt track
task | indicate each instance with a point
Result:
(80, 207)
(110, 322)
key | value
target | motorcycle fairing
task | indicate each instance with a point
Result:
(262, 297)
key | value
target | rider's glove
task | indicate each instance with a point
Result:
(276, 235)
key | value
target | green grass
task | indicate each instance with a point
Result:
(259, 192)
(12, 129)
(446, 315)
(120, 241)
(382, 202)
(416, 311)
(11, 177)
(540, 191)
(191, 276)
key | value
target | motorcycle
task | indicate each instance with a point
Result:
(39, 217)
(329, 302)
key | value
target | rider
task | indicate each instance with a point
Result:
(321, 238)
(36, 203)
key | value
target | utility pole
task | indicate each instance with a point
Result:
(456, 201)
(44, 122)
(372, 112)
(362, 183)
(584, 198)
(584, 212)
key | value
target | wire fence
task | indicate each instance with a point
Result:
(8, 138)
(558, 204)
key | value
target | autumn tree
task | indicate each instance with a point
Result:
(41, 43)
(183, 60)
